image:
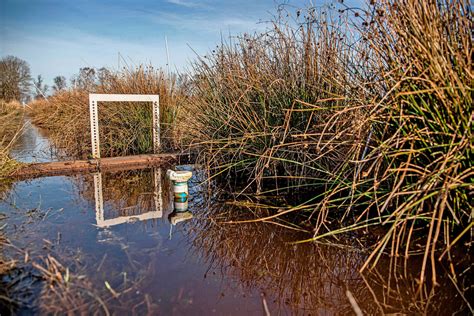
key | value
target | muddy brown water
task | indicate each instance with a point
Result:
(121, 251)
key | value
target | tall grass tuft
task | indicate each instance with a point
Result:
(262, 102)
(420, 165)
(125, 127)
(373, 107)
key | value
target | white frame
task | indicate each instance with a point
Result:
(94, 98)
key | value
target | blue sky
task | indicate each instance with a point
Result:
(57, 37)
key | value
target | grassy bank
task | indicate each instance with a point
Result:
(370, 111)
(11, 122)
(125, 127)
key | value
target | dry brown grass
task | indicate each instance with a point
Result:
(55, 279)
(11, 122)
(11, 119)
(125, 128)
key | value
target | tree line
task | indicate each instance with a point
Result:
(17, 84)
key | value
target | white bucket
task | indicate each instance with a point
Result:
(180, 188)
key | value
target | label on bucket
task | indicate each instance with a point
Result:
(180, 197)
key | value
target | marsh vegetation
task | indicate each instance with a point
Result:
(370, 112)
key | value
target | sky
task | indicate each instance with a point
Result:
(58, 37)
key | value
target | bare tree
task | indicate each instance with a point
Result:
(59, 83)
(85, 80)
(103, 75)
(41, 88)
(15, 79)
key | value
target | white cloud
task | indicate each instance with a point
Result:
(201, 23)
(186, 3)
(68, 47)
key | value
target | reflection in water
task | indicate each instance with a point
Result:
(157, 212)
(303, 278)
(179, 216)
(315, 278)
(32, 145)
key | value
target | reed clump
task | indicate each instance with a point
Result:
(262, 102)
(125, 127)
(419, 169)
(379, 123)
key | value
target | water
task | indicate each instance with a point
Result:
(63, 218)
(32, 146)
(104, 243)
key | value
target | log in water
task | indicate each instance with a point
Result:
(93, 165)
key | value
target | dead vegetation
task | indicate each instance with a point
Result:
(11, 122)
(52, 279)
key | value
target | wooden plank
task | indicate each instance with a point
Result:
(93, 165)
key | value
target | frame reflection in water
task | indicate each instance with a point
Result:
(99, 203)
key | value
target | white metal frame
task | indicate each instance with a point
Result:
(94, 117)
(99, 203)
